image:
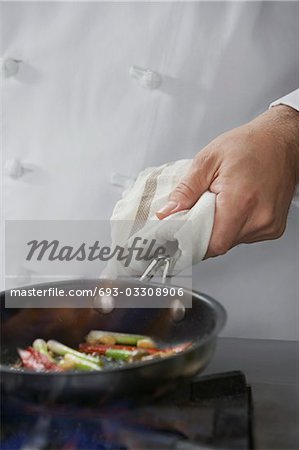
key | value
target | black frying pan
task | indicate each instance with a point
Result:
(19, 327)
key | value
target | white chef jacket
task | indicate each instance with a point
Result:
(80, 121)
(292, 100)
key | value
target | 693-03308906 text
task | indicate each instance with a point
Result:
(144, 291)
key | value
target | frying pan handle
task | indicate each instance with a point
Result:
(153, 268)
(177, 308)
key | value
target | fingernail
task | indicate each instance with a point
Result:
(168, 208)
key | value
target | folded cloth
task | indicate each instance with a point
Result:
(185, 234)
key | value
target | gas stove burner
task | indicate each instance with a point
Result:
(210, 412)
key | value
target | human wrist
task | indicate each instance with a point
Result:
(282, 123)
(290, 123)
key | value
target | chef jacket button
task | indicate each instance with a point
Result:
(10, 67)
(14, 168)
(147, 78)
(123, 181)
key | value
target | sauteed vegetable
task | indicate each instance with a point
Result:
(102, 349)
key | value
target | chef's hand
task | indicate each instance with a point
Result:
(253, 170)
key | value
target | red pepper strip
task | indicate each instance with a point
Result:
(33, 359)
(101, 349)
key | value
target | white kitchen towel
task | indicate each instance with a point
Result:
(185, 234)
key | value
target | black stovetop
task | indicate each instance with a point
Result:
(210, 412)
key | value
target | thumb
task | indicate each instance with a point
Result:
(191, 187)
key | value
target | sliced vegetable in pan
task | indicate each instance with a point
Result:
(110, 337)
(102, 349)
(34, 360)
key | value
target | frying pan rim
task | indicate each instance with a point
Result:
(220, 316)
